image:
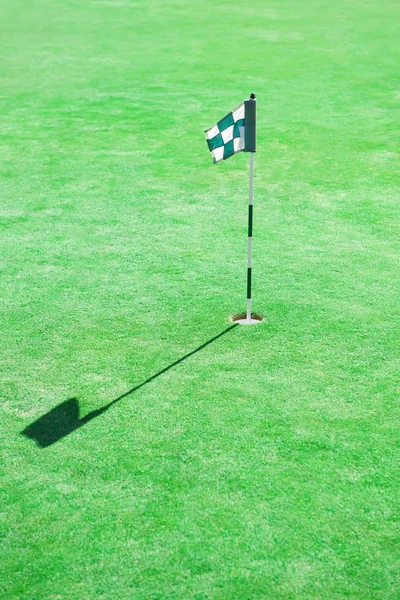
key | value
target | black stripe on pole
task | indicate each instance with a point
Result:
(250, 124)
(249, 283)
(250, 220)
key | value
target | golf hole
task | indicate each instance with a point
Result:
(241, 319)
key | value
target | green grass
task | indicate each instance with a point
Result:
(265, 465)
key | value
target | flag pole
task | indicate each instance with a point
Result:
(250, 146)
(250, 236)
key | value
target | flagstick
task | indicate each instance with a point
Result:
(245, 121)
(250, 236)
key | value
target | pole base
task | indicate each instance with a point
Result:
(243, 320)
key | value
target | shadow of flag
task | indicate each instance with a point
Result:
(64, 418)
(59, 422)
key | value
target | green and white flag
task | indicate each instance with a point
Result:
(226, 138)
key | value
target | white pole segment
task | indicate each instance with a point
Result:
(251, 182)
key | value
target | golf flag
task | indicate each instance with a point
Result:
(234, 133)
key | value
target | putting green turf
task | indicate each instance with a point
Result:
(265, 465)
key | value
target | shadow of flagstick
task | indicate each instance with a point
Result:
(64, 418)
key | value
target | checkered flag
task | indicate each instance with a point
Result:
(227, 136)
